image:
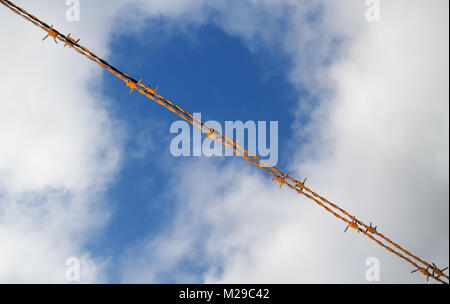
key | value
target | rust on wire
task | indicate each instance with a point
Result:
(277, 175)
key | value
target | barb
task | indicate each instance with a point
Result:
(277, 175)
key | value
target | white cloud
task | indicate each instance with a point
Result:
(380, 148)
(378, 145)
(60, 145)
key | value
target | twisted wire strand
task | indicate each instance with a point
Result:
(277, 174)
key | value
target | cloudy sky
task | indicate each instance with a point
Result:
(86, 171)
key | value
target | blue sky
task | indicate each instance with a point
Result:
(86, 172)
(204, 70)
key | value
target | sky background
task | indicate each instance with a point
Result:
(86, 171)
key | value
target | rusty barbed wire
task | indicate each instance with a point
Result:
(277, 175)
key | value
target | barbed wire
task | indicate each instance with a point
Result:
(427, 269)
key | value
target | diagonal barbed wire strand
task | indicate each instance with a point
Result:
(278, 175)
